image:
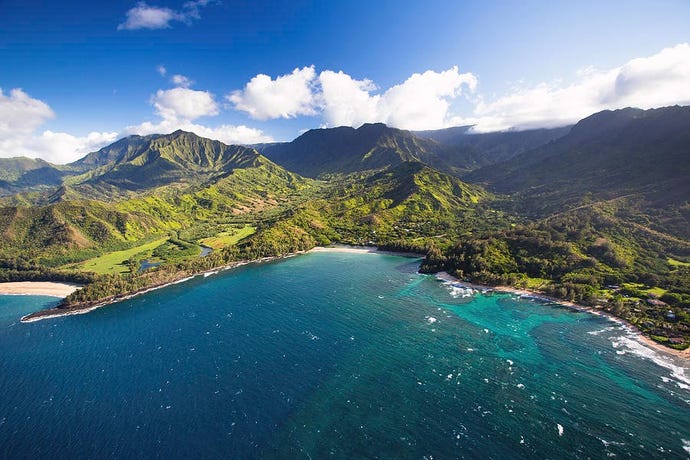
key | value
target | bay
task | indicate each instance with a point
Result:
(333, 355)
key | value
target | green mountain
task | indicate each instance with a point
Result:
(608, 208)
(22, 174)
(154, 185)
(469, 150)
(137, 164)
(604, 156)
(408, 200)
(321, 152)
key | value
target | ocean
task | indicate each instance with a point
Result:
(333, 355)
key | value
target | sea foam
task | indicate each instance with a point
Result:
(629, 343)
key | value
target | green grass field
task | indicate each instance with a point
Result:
(112, 262)
(228, 238)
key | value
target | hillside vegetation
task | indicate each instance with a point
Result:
(596, 213)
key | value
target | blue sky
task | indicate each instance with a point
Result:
(77, 75)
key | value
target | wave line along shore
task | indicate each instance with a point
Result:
(681, 354)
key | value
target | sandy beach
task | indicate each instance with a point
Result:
(46, 288)
(682, 354)
(352, 249)
(361, 250)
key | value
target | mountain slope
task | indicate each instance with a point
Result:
(643, 155)
(154, 185)
(474, 150)
(345, 150)
(608, 153)
(21, 174)
(137, 164)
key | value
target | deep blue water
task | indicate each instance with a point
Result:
(332, 355)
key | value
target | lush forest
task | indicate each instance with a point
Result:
(596, 214)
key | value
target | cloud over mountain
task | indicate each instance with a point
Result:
(420, 102)
(179, 107)
(21, 116)
(184, 104)
(655, 81)
(285, 97)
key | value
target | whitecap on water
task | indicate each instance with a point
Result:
(686, 445)
(457, 290)
(629, 344)
(560, 429)
(601, 331)
(430, 319)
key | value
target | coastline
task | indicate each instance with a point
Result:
(86, 307)
(362, 250)
(64, 289)
(643, 339)
(45, 288)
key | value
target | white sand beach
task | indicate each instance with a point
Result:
(352, 249)
(46, 288)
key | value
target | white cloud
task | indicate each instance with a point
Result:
(422, 101)
(346, 101)
(20, 117)
(162, 70)
(285, 97)
(179, 107)
(181, 80)
(655, 81)
(184, 104)
(21, 114)
(62, 148)
(144, 16)
(228, 134)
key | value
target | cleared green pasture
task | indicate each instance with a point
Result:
(112, 261)
(228, 238)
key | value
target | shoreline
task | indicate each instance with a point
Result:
(684, 355)
(42, 288)
(87, 307)
(362, 250)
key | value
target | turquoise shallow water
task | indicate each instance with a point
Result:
(333, 355)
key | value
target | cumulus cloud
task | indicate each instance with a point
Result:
(422, 101)
(20, 117)
(62, 148)
(655, 81)
(179, 107)
(347, 101)
(161, 70)
(20, 113)
(184, 104)
(145, 16)
(285, 97)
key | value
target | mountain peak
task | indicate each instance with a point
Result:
(345, 150)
